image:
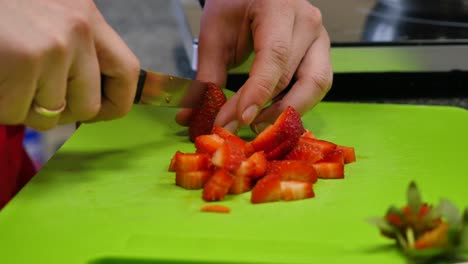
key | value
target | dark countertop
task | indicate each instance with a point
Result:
(150, 29)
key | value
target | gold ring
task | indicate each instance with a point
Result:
(49, 112)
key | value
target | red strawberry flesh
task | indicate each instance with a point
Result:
(267, 189)
(192, 180)
(202, 118)
(218, 185)
(281, 137)
(292, 170)
(296, 190)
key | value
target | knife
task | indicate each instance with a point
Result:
(159, 89)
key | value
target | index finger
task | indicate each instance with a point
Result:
(121, 70)
(272, 41)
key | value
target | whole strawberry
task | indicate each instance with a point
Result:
(202, 119)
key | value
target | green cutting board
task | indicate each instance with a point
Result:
(106, 197)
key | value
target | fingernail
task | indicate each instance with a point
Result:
(232, 126)
(249, 114)
(260, 127)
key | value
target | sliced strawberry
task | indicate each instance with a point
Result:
(218, 185)
(281, 137)
(215, 208)
(254, 167)
(249, 170)
(227, 135)
(329, 170)
(192, 180)
(321, 145)
(304, 152)
(267, 189)
(334, 156)
(228, 156)
(242, 183)
(208, 143)
(310, 150)
(349, 154)
(190, 162)
(292, 170)
(308, 134)
(296, 190)
(202, 119)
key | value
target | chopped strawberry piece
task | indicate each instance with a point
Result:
(267, 189)
(218, 185)
(223, 133)
(215, 208)
(310, 150)
(305, 152)
(242, 183)
(190, 162)
(202, 119)
(292, 170)
(296, 190)
(321, 145)
(249, 170)
(308, 134)
(227, 135)
(329, 170)
(254, 167)
(279, 139)
(349, 154)
(334, 156)
(192, 180)
(208, 143)
(228, 156)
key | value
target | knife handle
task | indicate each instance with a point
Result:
(139, 89)
(140, 85)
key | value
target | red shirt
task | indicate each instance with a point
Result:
(16, 169)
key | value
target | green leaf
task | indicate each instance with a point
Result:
(394, 210)
(401, 240)
(426, 253)
(464, 239)
(433, 214)
(382, 224)
(414, 198)
(454, 235)
(465, 217)
(449, 211)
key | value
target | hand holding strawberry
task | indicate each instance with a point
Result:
(289, 41)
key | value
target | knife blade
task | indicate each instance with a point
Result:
(165, 90)
(159, 89)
